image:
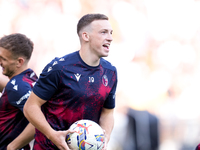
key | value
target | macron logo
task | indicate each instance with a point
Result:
(13, 82)
(32, 74)
(55, 62)
(61, 59)
(15, 87)
(49, 69)
(77, 76)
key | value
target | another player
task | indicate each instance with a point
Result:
(80, 85)
(198, 147)
(15, 53)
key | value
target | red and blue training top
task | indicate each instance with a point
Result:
(13, 98)
(73, 91)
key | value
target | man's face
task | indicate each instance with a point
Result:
(7, 62)
(100, 37)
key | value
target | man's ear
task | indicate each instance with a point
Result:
(85, 36)
(20, 61)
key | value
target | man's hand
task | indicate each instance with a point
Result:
(59, 139)
(105, 142)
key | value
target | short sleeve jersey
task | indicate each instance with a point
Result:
(13, 98)
(73, 91)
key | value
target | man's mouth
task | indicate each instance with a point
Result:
(106, 46)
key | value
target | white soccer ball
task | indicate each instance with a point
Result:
(88, 136)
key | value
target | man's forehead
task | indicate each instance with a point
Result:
(5, 52)
(102, 24)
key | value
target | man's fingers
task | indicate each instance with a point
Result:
(70, 131)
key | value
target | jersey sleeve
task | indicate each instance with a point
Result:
(48, 82)
(110, 101)
(18, 95)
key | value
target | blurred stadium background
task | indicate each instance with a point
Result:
(156, 50)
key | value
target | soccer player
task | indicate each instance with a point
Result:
(198, 147)
(15, 130)
(79, 85)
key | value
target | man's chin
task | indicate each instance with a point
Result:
(4, 73)
(105, 55)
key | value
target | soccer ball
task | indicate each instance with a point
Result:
(88, 136)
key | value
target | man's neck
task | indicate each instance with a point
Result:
(89, 58)
(22, 69)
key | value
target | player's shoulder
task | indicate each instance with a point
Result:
(11, 83)
(22, 78)
(66, 59)
(59, 62)
(106, 64)
(70, 57)
(17, 84)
